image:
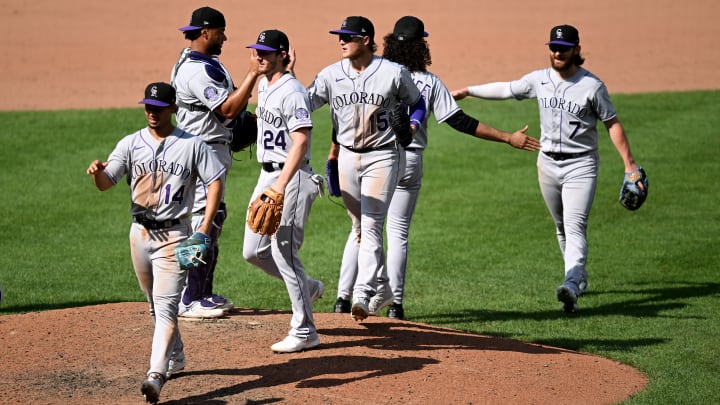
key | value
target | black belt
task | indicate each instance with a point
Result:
(272, 166)
(390, 145)
(218, 143)
(412, 149)
(150, 224)
(564, 156)
(191, 107)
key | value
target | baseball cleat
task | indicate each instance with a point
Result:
(359, 310)
(583, 285)
(396, 311)
(177, 363)
(568, 297)
(200, 309)
(220, 302)
(295, 344)
(151, 387)
(383, 298)
(342, 306)
(317, 291)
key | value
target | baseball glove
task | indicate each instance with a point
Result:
(400, 122)
(193, 251)
(265, 212)
(245, 132)
(634, 189)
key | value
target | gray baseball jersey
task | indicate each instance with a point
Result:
(438, 101)
(202, 84)
(284, 108)
(360, 102)
(369, 161)
(569, 109)
(162, 175)
(281, 109)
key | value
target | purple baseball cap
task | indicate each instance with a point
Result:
(356, 25)
(271, 40)
(159, 94)
(205, 17)
(564, 35)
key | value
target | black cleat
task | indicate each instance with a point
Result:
(342, 306)
(396, 311)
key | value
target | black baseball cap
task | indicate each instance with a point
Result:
(564, 35)
(408, 28)
(159, 94)
(205, 17)
(356, 25)
(271, 40)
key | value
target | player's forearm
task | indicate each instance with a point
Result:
(491, 91)
(334, 151)
(239, 98)
(214, 195)
(621, 143)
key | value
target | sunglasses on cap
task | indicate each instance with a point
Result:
(349, 37)
(560, 48)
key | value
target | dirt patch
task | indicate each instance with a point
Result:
(101, 54)
(99, 354)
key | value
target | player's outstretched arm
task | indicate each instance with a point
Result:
(100, 178)
(466, 124)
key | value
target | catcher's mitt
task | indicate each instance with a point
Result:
(265, 212)
(192, 252)
(400, 122)
(245, 132)
(634, 189)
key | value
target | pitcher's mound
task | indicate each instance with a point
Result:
(100, 354)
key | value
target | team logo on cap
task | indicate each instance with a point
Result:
(153, 92)
(558, 33)
(261, 38)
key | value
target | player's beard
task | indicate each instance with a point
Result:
(215, 49)
(564, 64)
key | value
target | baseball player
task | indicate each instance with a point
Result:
(283, 149)
(407, 46)
(361, 90)
(571, 100)
(210, 106)
(162, 164)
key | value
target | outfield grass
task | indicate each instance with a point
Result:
(483, 258)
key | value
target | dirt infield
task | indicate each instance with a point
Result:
(101, 54)
(101, 358)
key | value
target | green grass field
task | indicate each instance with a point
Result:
(483, 253)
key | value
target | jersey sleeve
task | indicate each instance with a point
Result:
(119, 159)
(207, 91)
(318, 92)
(209, 167)
(441, 103)
(524, 87)
(296, 108)
(603, 106)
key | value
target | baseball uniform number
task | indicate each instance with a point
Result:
(271, 141)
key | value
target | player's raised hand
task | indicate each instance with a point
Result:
(291, 66)
(459, 94)
(96, 167)
(521, 141)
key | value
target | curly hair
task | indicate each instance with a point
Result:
(413, 54)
